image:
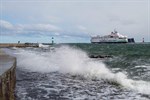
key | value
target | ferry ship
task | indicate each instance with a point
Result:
(114, 37)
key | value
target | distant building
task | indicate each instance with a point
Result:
(131, 40)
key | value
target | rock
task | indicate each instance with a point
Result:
(100, 56)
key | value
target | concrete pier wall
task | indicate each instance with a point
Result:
(7, 76)
(7, 45)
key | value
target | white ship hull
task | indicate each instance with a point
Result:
(108, 40)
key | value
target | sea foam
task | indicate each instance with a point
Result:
(71, 60)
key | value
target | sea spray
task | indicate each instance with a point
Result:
(75, 61)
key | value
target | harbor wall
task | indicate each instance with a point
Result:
(7, 76)
(6, 45)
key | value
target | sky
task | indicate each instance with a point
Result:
(72, 21)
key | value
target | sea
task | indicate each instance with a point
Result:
(66, 72)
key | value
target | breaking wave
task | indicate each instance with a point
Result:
(71, 60)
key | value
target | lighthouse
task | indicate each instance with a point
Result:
(52, 40)
(143, 40)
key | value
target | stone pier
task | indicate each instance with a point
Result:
(7, 76)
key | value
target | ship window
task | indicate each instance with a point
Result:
(111, 36)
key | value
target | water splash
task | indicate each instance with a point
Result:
(75, 61)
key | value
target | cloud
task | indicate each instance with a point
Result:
(122, 21)
(41, 27)
(9, 29)
(6, 26)
(82, 28)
